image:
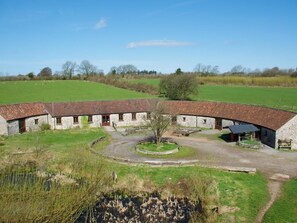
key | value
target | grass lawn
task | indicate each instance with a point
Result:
(61, 141)
(284, 210)
(276, 97)
(152, 147)
(184, 152)
(55, 91)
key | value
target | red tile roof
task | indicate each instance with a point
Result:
(17, 111)
(98, 107)
(262, 116)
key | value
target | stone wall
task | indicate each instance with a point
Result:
(30, 122)
(288, 131)
(205, 122)
(127, 119)
(195, 121)
(68, 122)
(268, 137)
(186, 120)
(3, 126)
(13, 127)
(226, 123)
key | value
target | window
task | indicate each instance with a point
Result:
(204, 121)
(148, 115)
(184, 119)
(36, 121)
(90, 118)
(59, 121)
(133, 116)
(121, 117)
(75, 119)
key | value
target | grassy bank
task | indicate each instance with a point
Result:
(54, 91)
(284, 210)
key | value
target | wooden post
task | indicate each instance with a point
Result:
(232, 137)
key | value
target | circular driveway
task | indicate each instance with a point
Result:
(210, 153)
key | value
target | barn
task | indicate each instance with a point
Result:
(274, 125)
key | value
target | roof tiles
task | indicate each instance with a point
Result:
(18, 111)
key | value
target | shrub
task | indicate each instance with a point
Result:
(45, 126)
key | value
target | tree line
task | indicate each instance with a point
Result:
(72, 70)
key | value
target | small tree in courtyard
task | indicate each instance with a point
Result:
(158, 122)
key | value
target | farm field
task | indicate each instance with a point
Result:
(57, 91)
(275, 97)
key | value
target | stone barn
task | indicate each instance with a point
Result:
(275, 126)
(19, 118)
(67, 115)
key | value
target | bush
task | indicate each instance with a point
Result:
(45, 126)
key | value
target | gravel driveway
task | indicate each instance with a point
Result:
(213, 153)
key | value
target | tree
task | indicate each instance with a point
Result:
(178, 71)
(179, 87)
(30, 75)
(206, 69)
(113, 70)
(68, 69)
(46, 73)
(126, 69)
(158, 122)
(87, 69)
(238, 69)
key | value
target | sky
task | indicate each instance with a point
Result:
(160, 35)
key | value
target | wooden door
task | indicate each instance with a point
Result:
(218, 124)
(22, 125)
(105, 120)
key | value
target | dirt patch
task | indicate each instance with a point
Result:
(274, 190)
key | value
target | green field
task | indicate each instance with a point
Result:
(276, 97)
(284, 210)
(57, 91)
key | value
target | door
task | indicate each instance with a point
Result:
(218, 124)
(105, 120)
(22, 125)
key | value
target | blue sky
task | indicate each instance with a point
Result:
(157, 35)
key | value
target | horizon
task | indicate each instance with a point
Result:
(160, 36)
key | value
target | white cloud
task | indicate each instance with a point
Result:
(168, 43)
(102, 23)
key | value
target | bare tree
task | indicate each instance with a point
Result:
(86, 68)
(238, 69)
(206, 69)
(68, 69)
(158, 122)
